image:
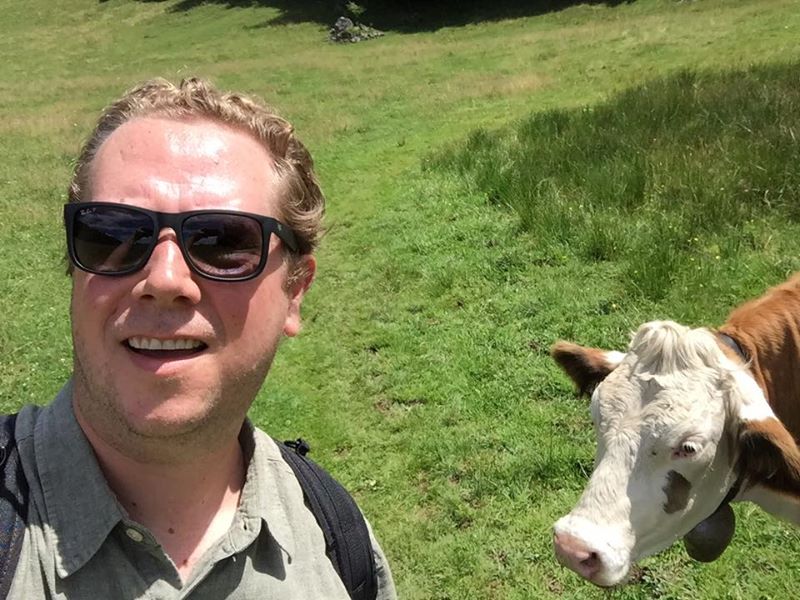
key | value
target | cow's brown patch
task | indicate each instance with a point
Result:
(677, 490)
(769, 456)
(768, 330)
(587, 367)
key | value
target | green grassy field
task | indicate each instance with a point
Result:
(422, 375)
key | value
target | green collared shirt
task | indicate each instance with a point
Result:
(81, 544)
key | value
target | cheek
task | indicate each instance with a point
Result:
(658, 505)
(233, 309)
(684, 481)
(253, 316)
(676, 490)
(93, 302)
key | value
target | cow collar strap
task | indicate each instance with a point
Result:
(734, 491)
(737, 348)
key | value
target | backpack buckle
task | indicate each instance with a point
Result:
(299, 445)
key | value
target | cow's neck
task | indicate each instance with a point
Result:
(778, 504)
(768, 331)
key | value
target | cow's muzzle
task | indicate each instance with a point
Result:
(585, 550)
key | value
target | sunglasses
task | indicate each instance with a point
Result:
(224, 245)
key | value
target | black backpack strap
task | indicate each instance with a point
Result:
(347, 539)
(13, 503)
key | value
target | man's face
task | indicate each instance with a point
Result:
(124, 394)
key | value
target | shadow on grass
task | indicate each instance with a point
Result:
(406, 16)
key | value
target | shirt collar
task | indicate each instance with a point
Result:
(80, 508)
(270, 486)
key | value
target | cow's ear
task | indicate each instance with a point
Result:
(587, 367)
(768, 455)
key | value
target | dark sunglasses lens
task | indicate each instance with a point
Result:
(224, 246)
(111, 240)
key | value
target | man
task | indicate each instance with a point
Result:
(191, 223)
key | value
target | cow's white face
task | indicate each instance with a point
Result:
(665, 450)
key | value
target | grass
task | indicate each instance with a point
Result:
(673, 179)
(422, 377)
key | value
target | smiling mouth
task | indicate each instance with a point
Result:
(172, 348)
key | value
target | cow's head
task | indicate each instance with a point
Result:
(672, 417)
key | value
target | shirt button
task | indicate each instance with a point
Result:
(136, 536)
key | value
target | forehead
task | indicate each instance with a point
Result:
(175, 165)
(639, 398)
(666, 364)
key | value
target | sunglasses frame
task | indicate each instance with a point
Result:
(175, 221)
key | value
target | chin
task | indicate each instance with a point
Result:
(610, 580)
(169, 418)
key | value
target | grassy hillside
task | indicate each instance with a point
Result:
(680, 180)
(422, 374)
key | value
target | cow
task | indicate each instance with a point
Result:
(687, 421)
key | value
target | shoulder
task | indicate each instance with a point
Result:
(26, 420)
(266, 447)
(383, 573)
(270, 463)
(348, 535)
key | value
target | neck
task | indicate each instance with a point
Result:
(185, 504)
(783, 506)
(768, 330)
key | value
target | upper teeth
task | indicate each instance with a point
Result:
(142, 343)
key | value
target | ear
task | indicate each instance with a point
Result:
(587, 367)
(769, 456)
(296, 291)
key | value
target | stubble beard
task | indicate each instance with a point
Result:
(99, 405)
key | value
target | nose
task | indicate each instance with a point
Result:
(167, 278)
(576, 555)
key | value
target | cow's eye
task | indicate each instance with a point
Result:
(686, 449)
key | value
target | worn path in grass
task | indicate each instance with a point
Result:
(421, 373)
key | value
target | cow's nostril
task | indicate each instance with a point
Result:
(577, 555)
(592, 561)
